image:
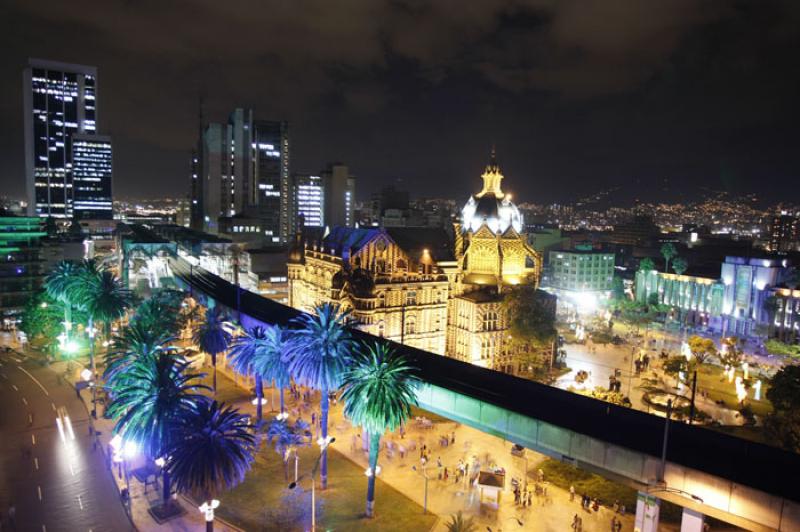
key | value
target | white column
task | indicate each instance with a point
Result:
(647, 510)
(691, 521)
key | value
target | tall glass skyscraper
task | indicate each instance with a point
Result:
(60, 101)
(91, 177)
(308, 200)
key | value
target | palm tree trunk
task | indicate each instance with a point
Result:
(166, 488)
(93, 366)
(283, 405)
(67, 320)
(214, 363)
(374, 449)
(259, 395)
(323, 420)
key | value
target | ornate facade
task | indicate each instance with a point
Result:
(424, 287)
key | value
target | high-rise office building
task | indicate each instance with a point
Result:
(784, 233)
(60, 101)
(242, 168)
(92, 172)
(308, 200)
(340, 195)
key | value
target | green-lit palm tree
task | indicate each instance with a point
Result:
(378, 391)
(319, 353)
(150, 398)
(161, 313)
(246, 351)
(61, 285)
(212, 452)
(133, 342)
(213, 337)
(287, 439)
(274, 364)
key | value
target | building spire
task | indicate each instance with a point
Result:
(492, 177)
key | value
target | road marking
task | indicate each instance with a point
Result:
(33, 438)
(15, 387)
(25, 401)
(39, 490)
(36, 463)
(60, 426)
(34, 380)
(80, 502)
(68, 423)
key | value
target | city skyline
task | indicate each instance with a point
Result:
(684, 95)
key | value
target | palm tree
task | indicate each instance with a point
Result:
(212, 452)
(213, 337)
(668, 251)
(286, 439)
(61, 285)
(378, 391)
(460, 524)
(679, 265)
(150, 398)
(318, 355)
(246, 350)
(274, 364)
(135, 341)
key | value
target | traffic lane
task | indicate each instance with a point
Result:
(65, 483)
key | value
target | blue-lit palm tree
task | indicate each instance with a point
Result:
(150, 397)
(287, 439)
(135, 341)
(61, 284)
(212, 335)
(378, 391)
(273, 365)
(212, 452)
(246, 351)
(318, 355)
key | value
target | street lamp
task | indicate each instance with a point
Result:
(208, 508)
(424, 474)
(323, 444)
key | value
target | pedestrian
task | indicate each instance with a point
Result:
(516, 495)
(452, 437)
(613, 523)
(622, 509)
(616, 506)
(619, 525)
(575, 522)
(541, 475)
(571, 493)
(314, 419)
(445, 474)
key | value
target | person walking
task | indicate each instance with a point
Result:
(571, 493)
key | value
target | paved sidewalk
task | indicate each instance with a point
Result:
(142, 496)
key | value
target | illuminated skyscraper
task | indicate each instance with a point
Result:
(60, 101)
(92, 172)
(784, 233)
(243, 169)
(308, 200)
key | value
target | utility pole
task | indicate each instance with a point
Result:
(663, 468)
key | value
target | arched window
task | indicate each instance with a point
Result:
(411, 297)
(400, 264)
(381, 328)
(411, 326)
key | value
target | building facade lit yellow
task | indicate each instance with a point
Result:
(424, 287)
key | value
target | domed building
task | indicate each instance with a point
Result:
(421, 286)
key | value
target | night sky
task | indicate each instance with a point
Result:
(657, 97)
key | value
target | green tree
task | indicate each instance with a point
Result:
(702, 348)
(42, 317)
(668, 251)
(731, 354)
(149, 399)
(212, 335)
(319, 354)
(61, 285)
(378, 390)
(212, 452)
(163, 312)
(286, 438)
(647, 265)
(783, 425)
(679, 265)
(459, 523)
(531, 315)
(617, 288)
(246, 350)
(133, 342)
(680, 368)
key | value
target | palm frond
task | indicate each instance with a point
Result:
(379, 389)
(211, 334)
(213, 450)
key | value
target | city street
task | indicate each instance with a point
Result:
(50, 472)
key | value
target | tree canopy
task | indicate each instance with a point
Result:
(531, 315)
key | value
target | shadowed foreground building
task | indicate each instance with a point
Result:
(421, 286)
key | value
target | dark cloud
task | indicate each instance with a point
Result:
(597, 91)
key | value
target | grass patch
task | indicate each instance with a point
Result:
(263, 501)
(712, 380)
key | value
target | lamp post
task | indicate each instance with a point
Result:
(424, 474)
(663, 468)
(208, 508)
(91, 331)
(323, 444)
